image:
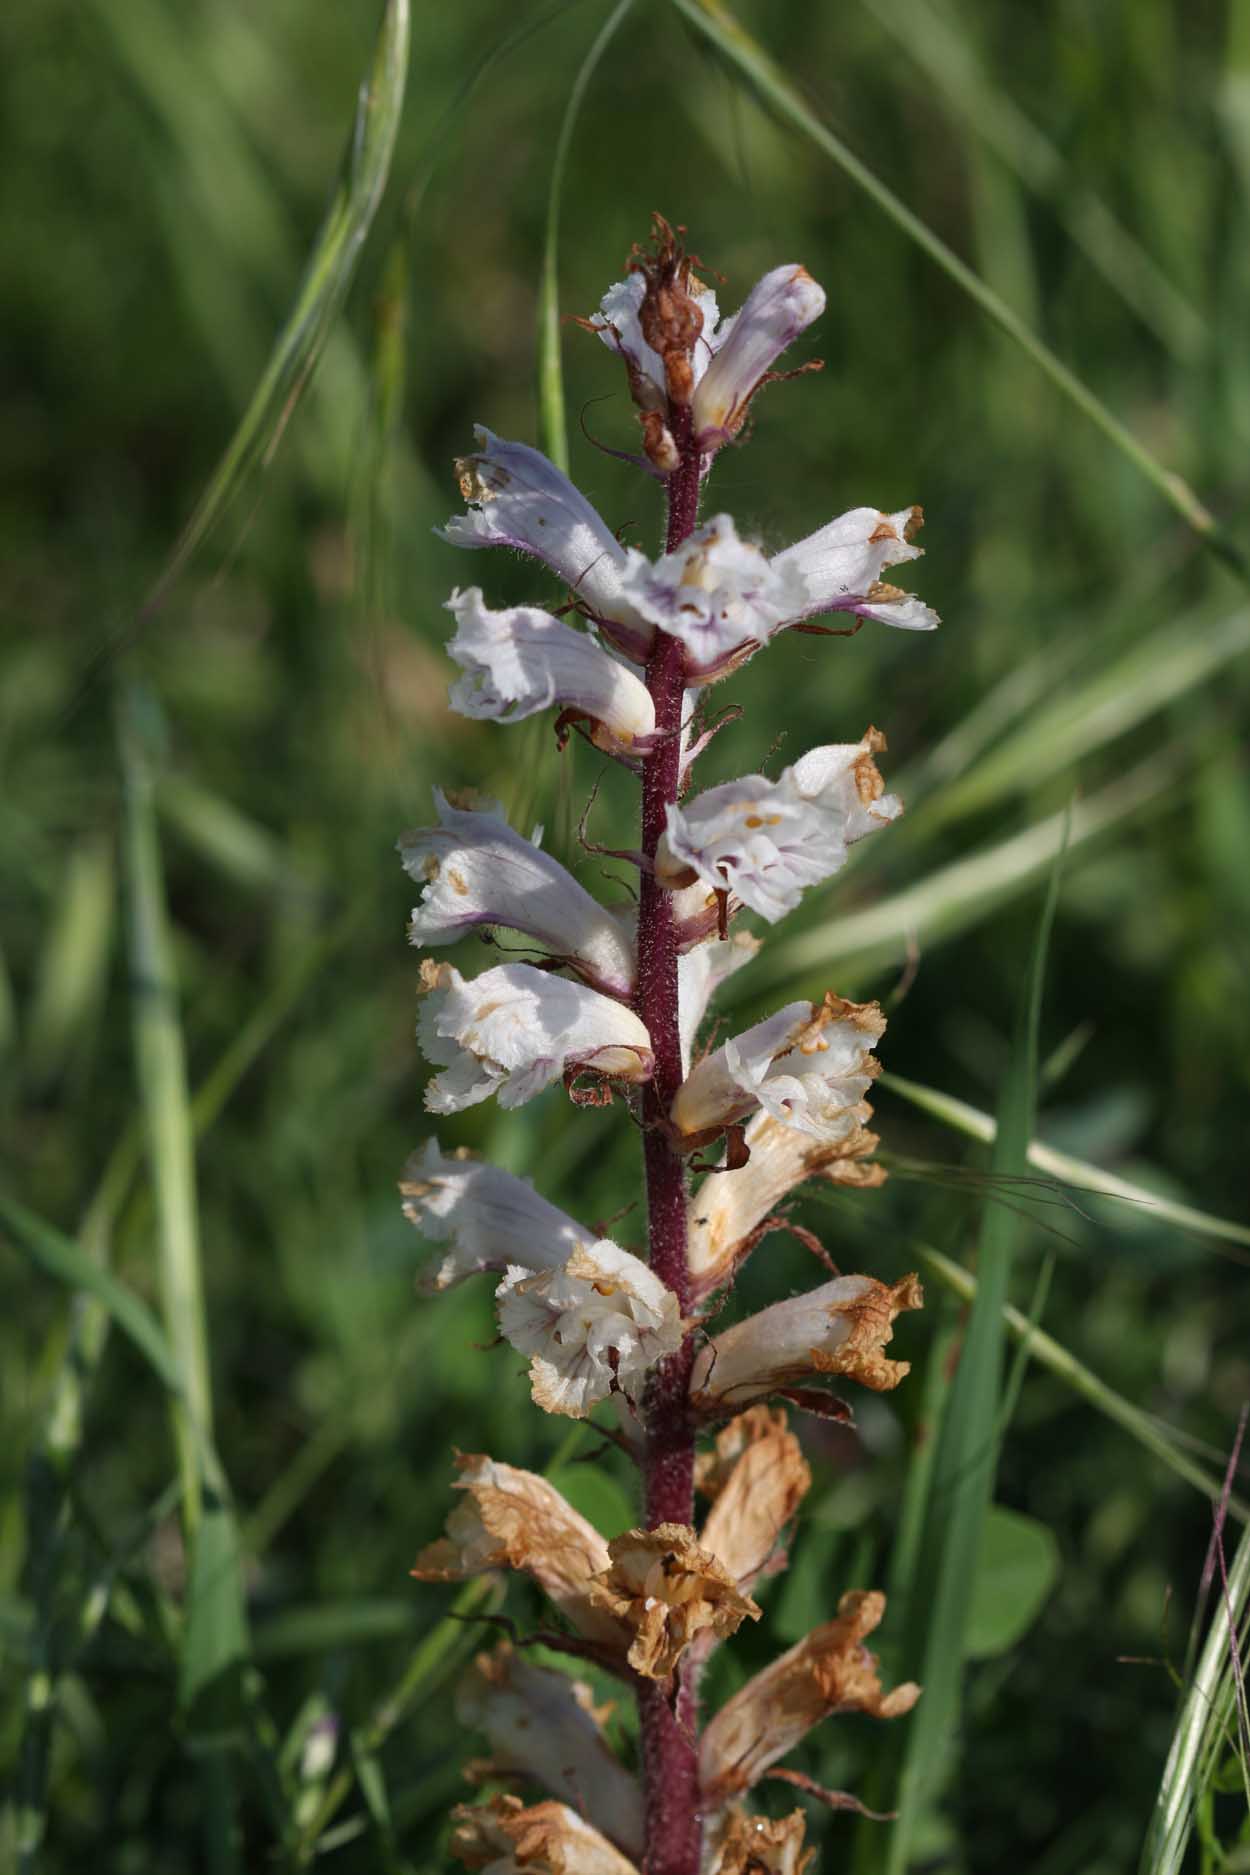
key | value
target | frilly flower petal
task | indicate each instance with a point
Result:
(760, 1478)
(840, 565)
(721, 596)
(668, 1589)
(839, 1328)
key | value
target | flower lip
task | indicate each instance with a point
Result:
(488, 1217)
(721, 596)
(841, 564)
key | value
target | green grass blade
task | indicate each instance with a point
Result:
(962, 1481)
(974, 1124)
(552, 426)
(327, 277)
(718, 24)
(75, 961)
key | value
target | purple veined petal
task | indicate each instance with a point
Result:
(721, 596)
(778, 308)
(488, 1218)
(809, 1065)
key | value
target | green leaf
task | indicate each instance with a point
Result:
(214, 1640)
(1017, 1567)
(597, 1495)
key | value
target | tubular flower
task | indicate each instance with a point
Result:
(761, 1478)
(756, 1845)
(765, 841)
(505, 1838)
(775, 311)
(476, 871)
(543, 1725)
(700, 973)
(515, 1029)
(829, 1671)
(841, 565)
(512, 1519)
(809, 1065)
(725, 1215)
(719, 595)
(667, 1590)
(490, 1218)
(839, 1328)
(592, 1328)
(520, 661)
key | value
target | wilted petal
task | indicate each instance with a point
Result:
(667, 1589)
(545, 1726)
(700, 973)
(591, 1328)
(841, 564)
(477, 871)
(829, 1671)
(839, 1328)
(513, 1519)
(758, 1492)
(809, 1065)
(725, 1213)
(738, 1844)
(619, 326)
(490, 1218)
(506, 1838)
(778, 307)
(764, 841)
(515, 1029)
(519, 499)
(721, 596)
(521, 660)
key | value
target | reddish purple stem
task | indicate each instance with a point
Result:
(669, 1744)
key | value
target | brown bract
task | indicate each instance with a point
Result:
(757, 1497)
(542, 1839)
(829, 1671)
(666, 1590)
(755, 1845)
(515, 1520)
(669, 317)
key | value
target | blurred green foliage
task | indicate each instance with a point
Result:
(166, 170)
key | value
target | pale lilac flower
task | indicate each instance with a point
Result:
(720, 595)
(764, 841)
(521, 660)
(839, 1328)
(809, 1065)
(490, 1218)
(477, 871)
(700, 973)
(617, 324)
(775, 311)
(841, 564)
(515, 1029)
(591, 1328)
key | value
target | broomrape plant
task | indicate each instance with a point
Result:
(614, 1008)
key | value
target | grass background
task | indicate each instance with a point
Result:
(200, 805)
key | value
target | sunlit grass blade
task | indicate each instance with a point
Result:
(715, 20)
(329, 273)
(974, 1124)
(962, 1481)
(552, 427)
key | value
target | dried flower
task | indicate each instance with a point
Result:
(758, 1493)
(668, 1589)
(839, 1328)
(491, 1218)
(829, 1671)
(756, 1845)
(515, 1029)
(592, 1327)
(505, 1838)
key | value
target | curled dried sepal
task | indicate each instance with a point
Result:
(829, 1671)
(491, 1218)
(809, 1065)
(512, 1519)
(514, 1030)
(841, 564)
(593, 1327)
(475, 870)
(505, 1837)
(776, 310)
(740, 1844)
(667, 1589)
(839, 1328)
(545, 1726)
(725, 1215)
(758, 1494)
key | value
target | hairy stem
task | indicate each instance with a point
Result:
(669, 1749)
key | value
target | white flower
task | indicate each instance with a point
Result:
(515, 1029)
(778, 307)
(765, 840)
(839, 1328)
(522, 660)
(617, 324)
(700, 973)
(490, 1218)
(599, 1322)
(809, 1066)
(721, 596)
(521, 500)
(477, 871)
(840, 565)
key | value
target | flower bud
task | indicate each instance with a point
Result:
(775, 311)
